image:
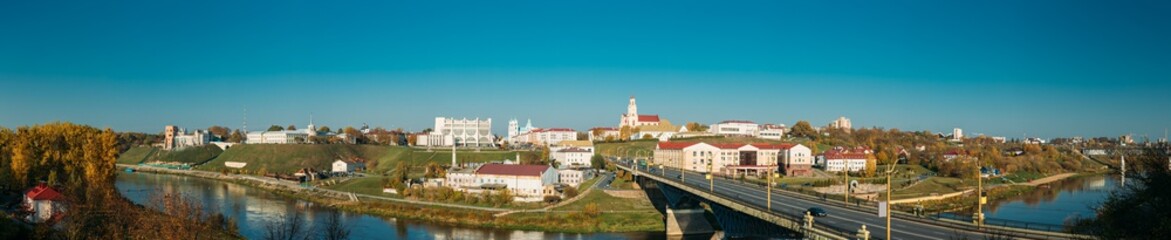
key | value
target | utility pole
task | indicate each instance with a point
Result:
(769, 193)
(846, 189)
(711, 180)
(889, 172)
(980, 200)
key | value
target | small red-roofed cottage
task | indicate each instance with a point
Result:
(43, 202)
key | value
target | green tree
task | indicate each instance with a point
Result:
(597, 161)
(323, 129)
(291, 127)
(274, 128)
(1141, 209)
(803, 129)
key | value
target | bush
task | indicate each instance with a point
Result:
(570, 192)
(552, 199)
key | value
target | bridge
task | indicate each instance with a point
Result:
(742, 211)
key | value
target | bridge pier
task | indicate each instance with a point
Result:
(687, 221)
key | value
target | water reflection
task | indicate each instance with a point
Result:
(254, 208)
(1056, 203)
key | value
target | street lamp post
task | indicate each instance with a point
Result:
(711, 180)
(769, 193)
(980, 200)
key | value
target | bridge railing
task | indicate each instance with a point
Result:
(796, 217)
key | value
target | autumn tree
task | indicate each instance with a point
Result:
(696, 127)
(236, 136)
(597, 132)
(219, 131)
(871, 165)
(803, 129)
(625, 132)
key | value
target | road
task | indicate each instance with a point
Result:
(843, 219)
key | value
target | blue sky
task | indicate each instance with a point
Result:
(1005, 68)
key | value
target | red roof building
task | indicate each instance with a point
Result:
(512, 169)
(43, 202)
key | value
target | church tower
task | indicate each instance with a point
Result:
(632, 109)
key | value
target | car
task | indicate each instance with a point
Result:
(817, 212)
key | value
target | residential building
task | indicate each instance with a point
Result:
(178, 138)
(848, 159)
(734, 158)
(841, 123)
(735, 128)
(458, 132)
(663, 130)
(573, 157)
(43, 203)
(527, 182)
(278, 137)
(574, 177)
(346, 166)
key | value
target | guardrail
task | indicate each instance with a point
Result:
(788, 220)
(996, 227)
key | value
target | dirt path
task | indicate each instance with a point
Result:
(1049, 179)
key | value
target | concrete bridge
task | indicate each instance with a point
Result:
(741, 210)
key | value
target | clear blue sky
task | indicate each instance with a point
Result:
(1045, 68)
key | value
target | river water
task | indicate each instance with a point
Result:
(254, 208)
(1058, 202)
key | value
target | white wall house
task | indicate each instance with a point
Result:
(527, 182)
(573, 157)
(772, 131)
(849, 159)
(732, 158)
(175, 137)
(345, 166)
(43, 202)
(546, 136)
(603, 133)
(574, 177)
(277, 137)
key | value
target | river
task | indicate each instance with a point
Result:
(1057, 202)
(254, 208)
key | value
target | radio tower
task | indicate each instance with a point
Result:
(245, 120)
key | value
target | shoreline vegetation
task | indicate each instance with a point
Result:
(584, 220)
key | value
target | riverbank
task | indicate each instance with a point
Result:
(438, 213)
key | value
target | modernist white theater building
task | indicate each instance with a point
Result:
(459, 132)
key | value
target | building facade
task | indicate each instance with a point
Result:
(573, 157)
(599, 134)
(574, 177)
(458, 132)
(734, 158)
(841, 123)
(633, 119)
(175, 138)
(735, 128)
(546, 137)
(527, 182)
(846, 159)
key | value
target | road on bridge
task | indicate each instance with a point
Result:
(840, 218)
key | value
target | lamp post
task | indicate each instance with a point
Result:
(846, 190)
(711, 180)
(980, 199)
(769, 193)
(889, 172)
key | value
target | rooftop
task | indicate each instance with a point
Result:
(512, 169)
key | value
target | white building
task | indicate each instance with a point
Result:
(345, 166)
(734, 158)
(527, 182)
(459, 132)
(515, 130)
(546, 137)
(772, 131)
(850, 159)
(178, 138)
(43, 202)
(735, 128)
(841, 123)
(573, 157)
(574, 177)
(278, 137)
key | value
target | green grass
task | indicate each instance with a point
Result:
(608, 203)
(621, 184)
(287, 158)
(191, 155)
(365, 185)
(136, 155)
(644, 221)
(937, 185)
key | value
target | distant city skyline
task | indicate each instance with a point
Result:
(1014, 68)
